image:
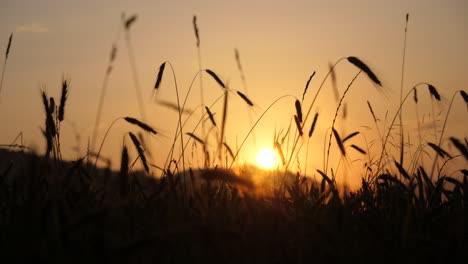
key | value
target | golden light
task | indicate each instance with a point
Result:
(267, 158)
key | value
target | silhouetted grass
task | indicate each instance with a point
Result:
(56, 211)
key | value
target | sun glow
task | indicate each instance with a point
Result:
(267, 158)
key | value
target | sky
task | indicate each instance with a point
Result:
(280, 44)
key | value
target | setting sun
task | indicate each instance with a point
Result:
(266, 158)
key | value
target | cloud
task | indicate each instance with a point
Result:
(32, 28)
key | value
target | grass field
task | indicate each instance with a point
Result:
(58, 211)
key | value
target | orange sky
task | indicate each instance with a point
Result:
(280, 42)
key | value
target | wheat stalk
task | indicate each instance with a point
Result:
(245, 98)
(63, 100)
(363, 67)
(244, 83)
(210, 115)
(307, 85)
(140, 151)
(216, 78)
(401, 91)
(334, 120)
(312, 128)
(297, 104)
(436, 95)
(160, 75)
(140, 124)
(460, 146)
(7, 52)
(123, 175)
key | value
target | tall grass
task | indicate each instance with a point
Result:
(52, 210)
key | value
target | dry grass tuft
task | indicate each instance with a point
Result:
(140, 124)
(160, 75)
(363, 67)
(217, 79)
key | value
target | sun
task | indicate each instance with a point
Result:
(266, 158)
